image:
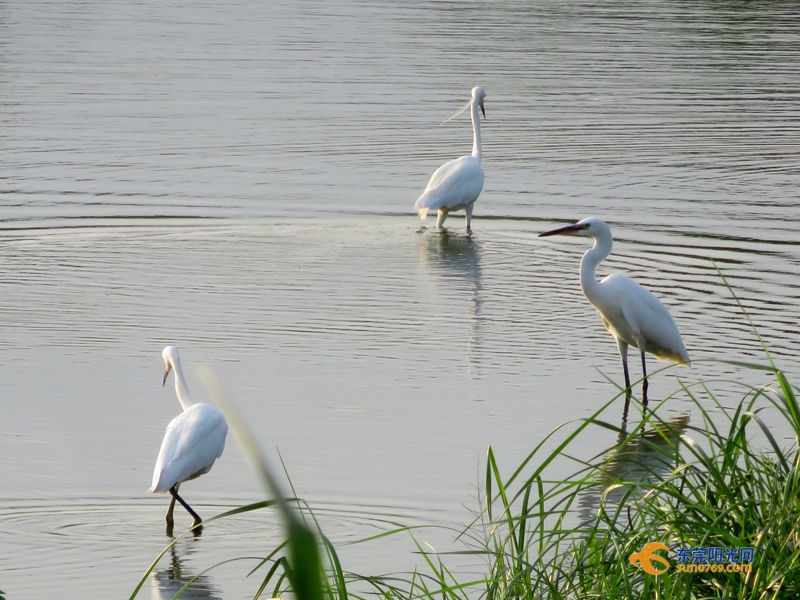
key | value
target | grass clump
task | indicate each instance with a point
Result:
(711, 485)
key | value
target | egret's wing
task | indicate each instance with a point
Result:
(193, 441)
(617, 308)
(629, 295)
(165, 454)
(651, 319)
(455, 183)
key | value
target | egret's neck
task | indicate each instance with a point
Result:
(593, 257)
(476, 130)
(181, 388)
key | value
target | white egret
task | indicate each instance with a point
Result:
(633, 315)
(457, 184)
(193, 441)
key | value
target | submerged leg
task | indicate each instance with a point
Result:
(441, 217)
(174, 491)
(623, 353)
(644, 384)
(468, 212)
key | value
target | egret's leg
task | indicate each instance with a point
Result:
(197, 520)
(441, 217)
(644, 384)
(468, 212)
(623, 353)
(171, 509)
(627, 390)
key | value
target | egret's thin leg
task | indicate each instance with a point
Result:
(175, 495)
(627, 390)
(171, 509)
(441, 217)
(623, 354)
(644, 384)
(468, 211)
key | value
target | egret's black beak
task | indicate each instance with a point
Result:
(568, 230)
(166, 372)
(483, 111)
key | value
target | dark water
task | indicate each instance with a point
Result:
(238, 179)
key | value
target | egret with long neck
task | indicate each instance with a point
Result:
(457, 184)
(194, 440)
(633, 315)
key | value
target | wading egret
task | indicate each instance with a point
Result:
(633, 315)
(458, 183)
(193, 441)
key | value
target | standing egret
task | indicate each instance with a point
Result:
(633, 315)
(458, 183)
(193, 441)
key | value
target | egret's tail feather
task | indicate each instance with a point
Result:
(157, 486)
(667, 355)
(423, 213)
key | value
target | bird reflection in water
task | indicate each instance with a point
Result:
(169, 580)
(452, 263)
(640, 458)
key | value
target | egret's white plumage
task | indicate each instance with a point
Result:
(194, 439)
(633, 315)
(457, 184)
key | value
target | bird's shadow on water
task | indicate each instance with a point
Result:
(452, 264)
(453, 256)
(169, 580)
(641, 458)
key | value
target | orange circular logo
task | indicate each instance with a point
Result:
(646, 556)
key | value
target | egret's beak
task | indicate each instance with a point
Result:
(568, 230)
(166, 372)
(483, 111)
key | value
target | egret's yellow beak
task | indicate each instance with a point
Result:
(166, 372)
(568, 230)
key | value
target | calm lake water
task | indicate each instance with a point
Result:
(238, 179)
